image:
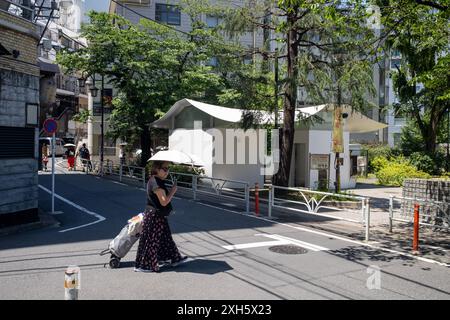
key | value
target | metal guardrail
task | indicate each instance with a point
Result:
(314, 203)
(122, 171)
(432, 213)
(214, 186)
(221, 187)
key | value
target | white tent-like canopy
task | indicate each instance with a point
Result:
(356, 122)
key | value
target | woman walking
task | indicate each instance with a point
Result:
(156, 242)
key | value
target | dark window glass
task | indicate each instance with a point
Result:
(167, 13)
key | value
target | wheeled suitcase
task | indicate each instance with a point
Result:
(122, 243)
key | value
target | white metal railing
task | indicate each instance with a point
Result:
(232, 189)
(122, 171)
(313, 202)
(432, 213)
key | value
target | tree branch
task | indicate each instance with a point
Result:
(433, 5)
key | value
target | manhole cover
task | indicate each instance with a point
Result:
(288, 249)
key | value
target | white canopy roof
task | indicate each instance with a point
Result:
(355, 123)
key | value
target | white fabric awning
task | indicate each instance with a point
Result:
(355, 123)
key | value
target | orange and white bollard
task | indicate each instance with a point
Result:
(416, 229)
(256, 199)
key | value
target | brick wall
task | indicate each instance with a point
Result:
(19, 34)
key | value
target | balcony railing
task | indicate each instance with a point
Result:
(20, 8)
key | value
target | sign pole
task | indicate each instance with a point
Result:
(53, 171)
(50, 127)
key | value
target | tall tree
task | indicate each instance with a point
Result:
(309, 32)
(420, 31)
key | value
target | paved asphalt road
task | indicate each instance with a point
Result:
(32, 263)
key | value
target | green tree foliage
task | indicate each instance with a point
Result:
(309, 34)
(151, 66)
(420, 30)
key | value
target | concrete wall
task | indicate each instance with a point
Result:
(19, 85)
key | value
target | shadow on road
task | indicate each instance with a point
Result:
(200, 266)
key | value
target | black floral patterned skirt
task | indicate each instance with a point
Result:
(155, 243)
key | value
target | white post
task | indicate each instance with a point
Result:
(72, 279)
(271, 190)
(391, 211)
(247, 199)
(194, 186)
(367, 220)
(53, 172)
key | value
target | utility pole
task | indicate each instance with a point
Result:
(447, 167)
(101, 124)
(276, 88)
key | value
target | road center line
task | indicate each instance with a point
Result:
(96, 215)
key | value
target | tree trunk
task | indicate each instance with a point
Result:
(288, 129)
(431, 138)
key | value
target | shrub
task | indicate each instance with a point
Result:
(396, 172)
(377, 151)
(432, 164)
(379, 163)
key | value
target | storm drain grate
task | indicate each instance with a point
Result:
(288, 249)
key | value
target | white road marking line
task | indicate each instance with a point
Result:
(300, 243)
(122, 184)
(329, 235)
(255, 245)
(96, 215)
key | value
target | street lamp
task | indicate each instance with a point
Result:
(90, 82)
(338, 131)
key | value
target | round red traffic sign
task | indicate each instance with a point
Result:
(50, 125)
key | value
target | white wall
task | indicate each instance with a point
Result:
(195, 142)
(200, 143)
(320, 143)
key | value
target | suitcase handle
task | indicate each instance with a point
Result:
(102, 253)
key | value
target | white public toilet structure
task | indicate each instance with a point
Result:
(212, 134)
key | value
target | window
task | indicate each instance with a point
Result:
(397, 139)
(213, 21)
(32, 114)
(167, 13)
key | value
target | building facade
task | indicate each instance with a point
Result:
(19, 106)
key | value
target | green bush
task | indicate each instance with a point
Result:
(396, 172)
(379, 163)
(377, 151)
(433, 164)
